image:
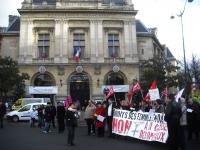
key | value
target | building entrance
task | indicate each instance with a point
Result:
(79, 87)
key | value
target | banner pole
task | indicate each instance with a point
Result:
(115, 98)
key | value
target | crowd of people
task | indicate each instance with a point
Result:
(182, 117)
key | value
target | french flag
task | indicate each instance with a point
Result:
(77, 55)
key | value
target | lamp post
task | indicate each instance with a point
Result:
(183, 39)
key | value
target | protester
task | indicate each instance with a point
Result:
(89, 117)
(193, 113)
(100, 115)
(71, 116)
(2, 113)
(53, 115)
(48, 117)
(109, 113)
(183, 124)
(172, 117)
(34, 114)
(159, 108)
(61, 117)
(41, 116)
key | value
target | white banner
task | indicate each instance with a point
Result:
(140, 125)
(117, 88)
(43, 90)
(154, 94)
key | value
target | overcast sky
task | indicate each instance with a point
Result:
(153, 13)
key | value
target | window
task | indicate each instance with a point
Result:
(142, 51)
(79, 43)
(43, 45)
(113, 45)
(25, 108)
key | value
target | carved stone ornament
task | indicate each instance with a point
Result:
(42, 69)
(79, 69)
(116, 68)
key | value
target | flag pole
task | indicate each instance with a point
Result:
(115, 98)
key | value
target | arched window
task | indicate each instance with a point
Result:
(114, 79)
(44, 80)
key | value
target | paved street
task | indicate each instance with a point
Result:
(19, 136)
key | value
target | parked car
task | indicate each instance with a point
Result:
(24, 112)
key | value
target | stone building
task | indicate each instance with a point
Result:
(105, 34)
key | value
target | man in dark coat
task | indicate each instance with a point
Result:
(53, 115)
(172, 117)
(2, 113)
(109, 113)
(71, 116)
(61, 117)
(47, 117)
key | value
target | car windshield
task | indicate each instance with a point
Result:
(25, 108)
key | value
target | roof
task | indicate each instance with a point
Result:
(14, 26)
(140, 27)
(169, 54)
(50, 2)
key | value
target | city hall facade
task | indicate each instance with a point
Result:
(111, 43)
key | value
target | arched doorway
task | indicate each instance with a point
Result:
(45, 80)
(116, 78)
(79, 87)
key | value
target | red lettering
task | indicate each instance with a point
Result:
(114, 125)
(127, 126)
(120, 126)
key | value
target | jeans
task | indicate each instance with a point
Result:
(90, 125)
(47, 126)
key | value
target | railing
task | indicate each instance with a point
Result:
(43, 60)
(114, 60)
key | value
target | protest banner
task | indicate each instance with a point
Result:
(140, 125)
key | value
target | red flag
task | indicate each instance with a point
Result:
(133, 89)
(153, 86)
(110, 93)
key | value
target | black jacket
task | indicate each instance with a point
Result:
(2, 110)
(71, 118)
(60, 112)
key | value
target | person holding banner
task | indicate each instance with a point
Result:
(172, 117)
(109, 113)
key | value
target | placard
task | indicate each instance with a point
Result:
(140, 125)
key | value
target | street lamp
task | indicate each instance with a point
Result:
(183, 41)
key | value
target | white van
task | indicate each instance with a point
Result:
(24, 112)
(23, 101)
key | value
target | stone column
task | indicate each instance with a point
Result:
(127, 41)
(134, 52)
(65, 41)
(93, 39)
(58, 41)
(23, 39)
(99, 53)
(29, 42)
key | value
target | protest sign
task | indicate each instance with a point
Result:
(140, 125)
(154, 94)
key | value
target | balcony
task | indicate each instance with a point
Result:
(43, 60)
(114, 60)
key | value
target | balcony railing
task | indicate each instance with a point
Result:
(43, 60)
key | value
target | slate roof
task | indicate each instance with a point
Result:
(14, 26)
(50, 2)
(140, 27)
(169, 54)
